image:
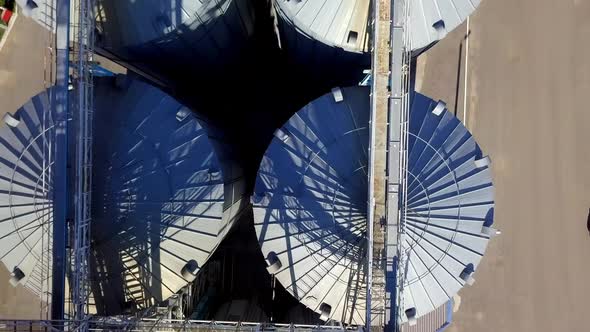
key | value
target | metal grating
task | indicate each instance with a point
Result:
(83, 29)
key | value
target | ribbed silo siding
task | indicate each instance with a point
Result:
(431, 322)
(164, 196)
(310, 205)
(452, 12)
(327, 62)
(309, 202)
(332, 22)
(450, 194)
(233, 175)
(200, 38)
(25, 193)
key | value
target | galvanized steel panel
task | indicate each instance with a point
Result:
(310, 205)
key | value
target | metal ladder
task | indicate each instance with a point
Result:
(83, 51)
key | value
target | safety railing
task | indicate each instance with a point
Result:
(146, 324)
(401, 21)
(83, 27)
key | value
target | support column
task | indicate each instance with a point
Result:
(60, 106)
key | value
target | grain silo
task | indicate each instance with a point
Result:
(174, 38)
(331, 37)
(310, 206)
(165, 194)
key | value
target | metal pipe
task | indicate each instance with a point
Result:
(61, 197)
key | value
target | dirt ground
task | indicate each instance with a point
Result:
(529, 77)
(22, 64)
(16, 303)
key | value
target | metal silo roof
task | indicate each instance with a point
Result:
(152, 19)
(431, 20)
(450, 203)
(159, 206)
(159, 203)
(310, 206)
(344, 23)
(168, 38)
(26, 191)
(339, 23)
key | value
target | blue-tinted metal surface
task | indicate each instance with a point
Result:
(61, 196)
(163, 195)
(327, 30)
(310, 206)
(450, 201)
(449, 317)
(26, 190)
(319, 54)
(173, 37)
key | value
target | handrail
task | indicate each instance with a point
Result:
(371, 173)
(83, 55)
(403, 169)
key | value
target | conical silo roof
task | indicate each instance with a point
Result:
(310, 206)
(168, 38)
(161, 201)
(450, 204)
(26, 194)
(345, 23)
